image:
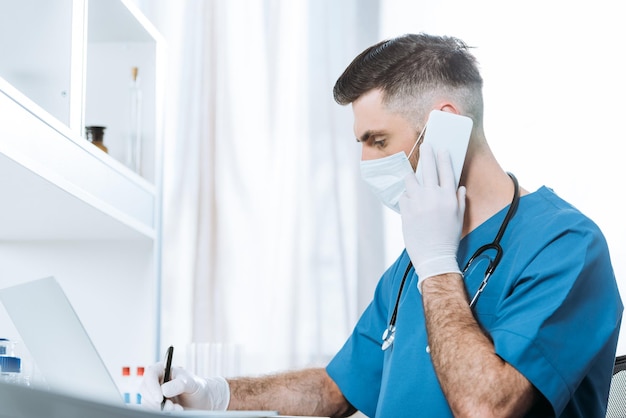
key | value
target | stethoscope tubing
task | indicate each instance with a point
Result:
(389, 334)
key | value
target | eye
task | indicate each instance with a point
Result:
(379, 141)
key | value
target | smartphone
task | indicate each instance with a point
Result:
(445, 130)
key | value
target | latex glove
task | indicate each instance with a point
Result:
(184, 391)
(432, 216)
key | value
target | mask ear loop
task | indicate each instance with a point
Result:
(418, 141)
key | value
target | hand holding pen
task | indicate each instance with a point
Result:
(185, 390)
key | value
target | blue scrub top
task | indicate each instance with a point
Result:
(552, 309)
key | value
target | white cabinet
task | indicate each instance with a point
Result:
(68, 209)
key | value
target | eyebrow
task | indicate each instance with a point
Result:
(369, 134)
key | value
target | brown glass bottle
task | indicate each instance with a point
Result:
(95, 135)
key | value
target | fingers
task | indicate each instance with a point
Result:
(173, 388)
(445, 170)
(170, 406)
(154, 372)
(150, 387)
(436, 170)
(460, 195)
(182, 382)
(428, 164)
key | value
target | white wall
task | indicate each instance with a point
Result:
(554, 96)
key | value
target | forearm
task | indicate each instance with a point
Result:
(475, 381)
(304, 392)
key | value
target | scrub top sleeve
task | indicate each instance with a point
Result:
(357, 367)
(357, 370)
(562, 314)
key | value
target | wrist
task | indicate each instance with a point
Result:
(440, 282)
(434, 267)
(217, 390)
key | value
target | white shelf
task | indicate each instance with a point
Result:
(41, 209)
(68, 209)
(73, 58)
(62, 186)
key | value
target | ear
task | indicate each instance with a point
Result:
(448, 107)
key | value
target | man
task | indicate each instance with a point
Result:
(540, 338)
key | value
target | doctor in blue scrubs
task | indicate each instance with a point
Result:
(504, 302)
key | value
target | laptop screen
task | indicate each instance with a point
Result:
(57, 340)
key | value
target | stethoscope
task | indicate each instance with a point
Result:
(390, 333)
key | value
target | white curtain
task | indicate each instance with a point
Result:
(271, 241)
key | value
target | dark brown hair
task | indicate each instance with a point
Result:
(409, 68)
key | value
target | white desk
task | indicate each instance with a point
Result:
(24, 402)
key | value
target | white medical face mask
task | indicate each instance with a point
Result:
(385, 176)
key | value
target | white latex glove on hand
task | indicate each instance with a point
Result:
(184, 390)
(432, 216)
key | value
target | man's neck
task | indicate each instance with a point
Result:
(489, 189)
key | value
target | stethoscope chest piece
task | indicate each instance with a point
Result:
(388, 336)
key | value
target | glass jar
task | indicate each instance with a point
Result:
(95, 135)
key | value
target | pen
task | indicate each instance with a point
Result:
(168, 369)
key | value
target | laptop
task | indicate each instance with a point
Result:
(57, 340)
(65, 356)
